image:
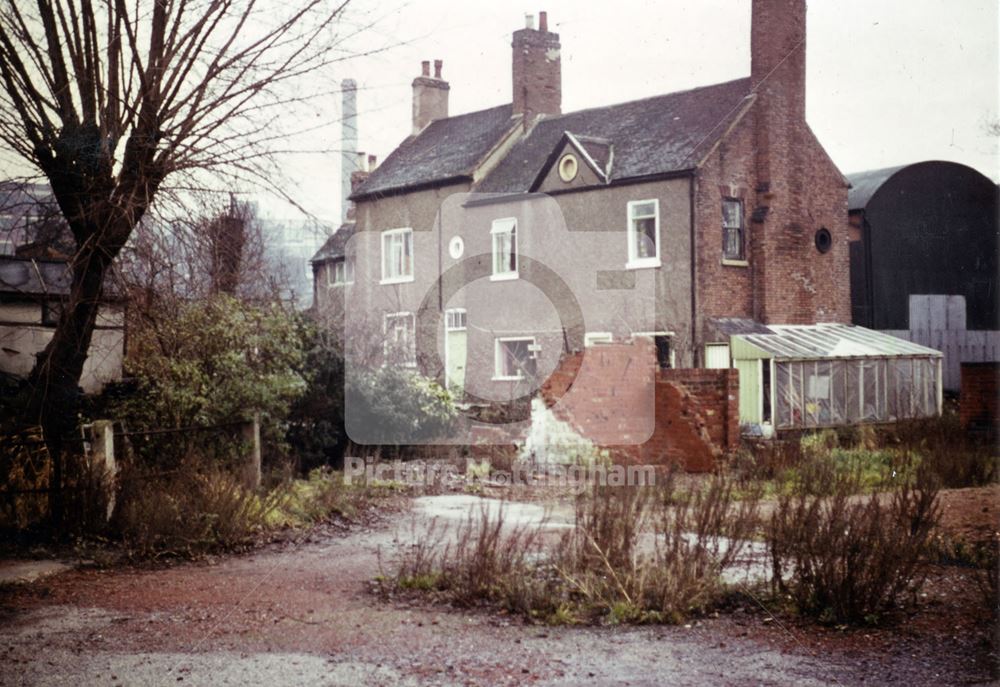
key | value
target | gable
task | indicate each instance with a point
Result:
(573, 154)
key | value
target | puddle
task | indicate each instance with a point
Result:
(457, 507)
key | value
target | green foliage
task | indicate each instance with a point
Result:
(316, 421)
(206, 363)
(397, 406)
(218, 360)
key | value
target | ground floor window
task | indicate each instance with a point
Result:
(400, 339)
(515, 358)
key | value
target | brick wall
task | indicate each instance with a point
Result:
(615, 398)
(790, 188)
(979, 407)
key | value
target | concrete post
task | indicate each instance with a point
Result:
(103, 444)
(251, 437)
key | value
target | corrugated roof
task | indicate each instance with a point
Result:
(445, 149)
(334, 246)
(865, 184)
(828, 341)
(658, 135)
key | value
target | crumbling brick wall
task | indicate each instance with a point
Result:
(980, 405)
(693, 421)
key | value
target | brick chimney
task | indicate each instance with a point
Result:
(430, 96)
(781, 236)
(537, 70)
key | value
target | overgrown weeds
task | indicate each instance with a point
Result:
(649, 554)
(847, 558)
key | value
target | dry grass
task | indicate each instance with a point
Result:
(649, 554)
(845, 558)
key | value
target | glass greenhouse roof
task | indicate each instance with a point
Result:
(825, 341)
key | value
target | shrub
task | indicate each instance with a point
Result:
(316, 420)
(393, 406)
(189, 512)
(648, 554)
(846, 558)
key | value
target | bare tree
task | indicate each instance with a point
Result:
(109, 99)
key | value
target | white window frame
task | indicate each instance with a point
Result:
(450, 317)
(498, 358)
(401, 278)
(591, 338)
(504, 225)
(741, 259)
(411, 360)
(635, 262)
(331, 270)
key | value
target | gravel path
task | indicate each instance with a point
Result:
(302, 613)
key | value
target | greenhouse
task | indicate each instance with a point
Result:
(825, 375)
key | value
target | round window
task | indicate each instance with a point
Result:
(824, 242)
(568, 168)
(456, 247)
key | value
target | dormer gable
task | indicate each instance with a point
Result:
(576, 161)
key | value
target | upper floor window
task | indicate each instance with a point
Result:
(400, 339)
(643, 233)
(340, 272)
(397, 256)
(732, 230)
(504, 233)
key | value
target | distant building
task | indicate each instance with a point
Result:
(32, 295)
(31, 223)
(929, 228)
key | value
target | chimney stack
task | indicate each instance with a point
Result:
(537, 70)
(357, 178)
(349, 141)
(430, 96)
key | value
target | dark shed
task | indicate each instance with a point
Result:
(923, 229)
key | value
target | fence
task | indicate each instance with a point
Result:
(28, 471)
(939, 323)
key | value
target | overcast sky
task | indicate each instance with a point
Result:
(889, 81)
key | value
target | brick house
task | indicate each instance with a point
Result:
(489, 245)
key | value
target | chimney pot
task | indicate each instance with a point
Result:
(529, 21)
(425, 68)
(372, 163)
(361, 162)
(543, 21)
(437, 68)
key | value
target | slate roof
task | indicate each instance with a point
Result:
(334, 246)
(865, 184)
(446, 149)
(663, 134)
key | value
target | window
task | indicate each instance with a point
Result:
(400, 340)
(504, 233)
(455, 320)
(340, 272)
(732, 229)
(51, 312)
(591, 338)
(643, 233)
(664, 354)
(515, 358)
(397, 256)
(568, 167)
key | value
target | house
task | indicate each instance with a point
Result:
(925, 259)
(718, 203)
(32, 293)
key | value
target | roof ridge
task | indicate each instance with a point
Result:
(731, 82)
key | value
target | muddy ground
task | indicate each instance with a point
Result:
(302, 612)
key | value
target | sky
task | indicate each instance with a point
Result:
(888, 82)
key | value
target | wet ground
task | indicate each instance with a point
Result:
(302, 612)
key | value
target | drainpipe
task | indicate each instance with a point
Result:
(694, 272)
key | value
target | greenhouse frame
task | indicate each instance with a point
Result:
(828, 375)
